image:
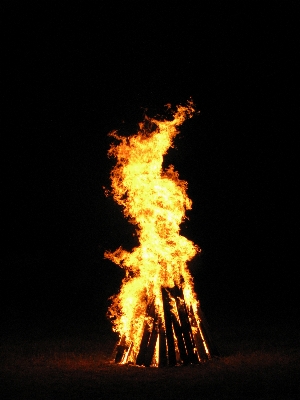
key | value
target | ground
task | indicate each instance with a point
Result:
(255, 364)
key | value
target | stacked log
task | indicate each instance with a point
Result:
(181, 337)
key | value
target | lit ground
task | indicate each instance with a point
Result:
(265, 365)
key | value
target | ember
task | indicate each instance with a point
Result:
(156, 312)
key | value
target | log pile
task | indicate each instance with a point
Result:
(182, 338)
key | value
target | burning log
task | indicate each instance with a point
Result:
(177, 339)
(149, 337)
(163, 356)
(169, 328)
(156, 313)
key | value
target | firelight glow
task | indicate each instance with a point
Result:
(154, 200)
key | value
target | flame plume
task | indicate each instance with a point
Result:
(155, 201)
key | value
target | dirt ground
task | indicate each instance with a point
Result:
(81, 367)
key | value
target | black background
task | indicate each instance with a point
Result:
(72, 74)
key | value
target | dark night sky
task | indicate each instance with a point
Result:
(74, 74)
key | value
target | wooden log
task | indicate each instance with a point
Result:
(140, 360)
(152, 343)
(121, 348)
(202, 355)
(186, 330)
(180, 341)
(162, 355)
(120, 353)
(171, 354)
(175, 293)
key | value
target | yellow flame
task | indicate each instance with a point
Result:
(155, 201)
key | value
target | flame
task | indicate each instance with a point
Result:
(155, 200)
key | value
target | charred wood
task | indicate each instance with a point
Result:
(162, 356)
(169, 330)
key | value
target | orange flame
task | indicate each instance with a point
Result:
(155, 201)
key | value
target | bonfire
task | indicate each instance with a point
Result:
(156, 312)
